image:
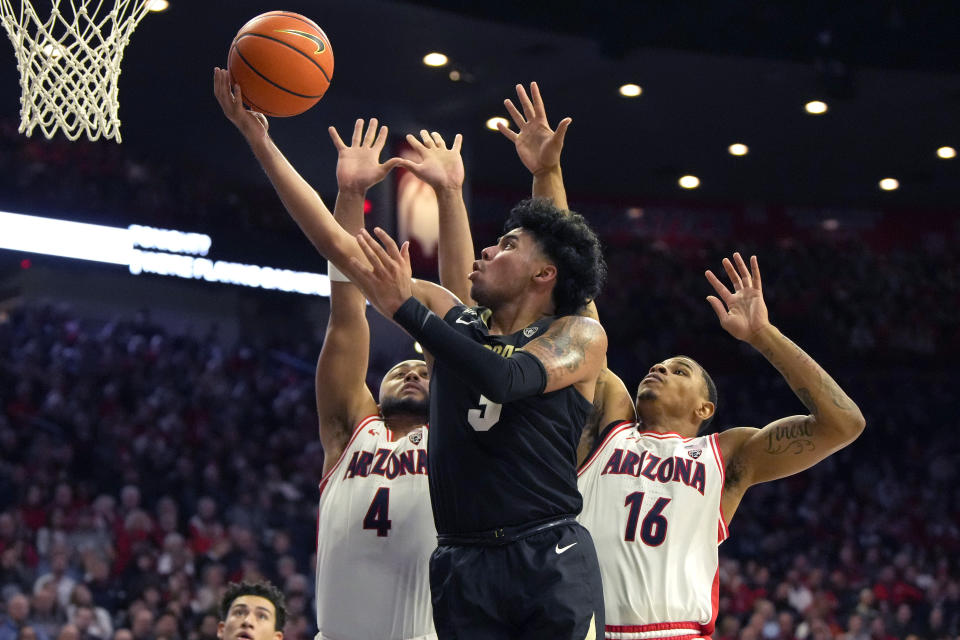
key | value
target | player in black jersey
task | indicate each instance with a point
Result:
(516, 379)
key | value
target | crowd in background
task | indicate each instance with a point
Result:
(140, 471)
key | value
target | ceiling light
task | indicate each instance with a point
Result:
(816, 107)
(889, 184)
(947, 152)
(689, 182)
(158, 5)
(454, 75)
(738, 149)
(435, 59)
(631, 90)
(493, 122)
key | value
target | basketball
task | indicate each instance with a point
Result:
(283, 63)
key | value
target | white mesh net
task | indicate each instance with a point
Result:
(69, 63)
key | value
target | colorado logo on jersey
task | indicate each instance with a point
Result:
(673, 469)
(386, 463)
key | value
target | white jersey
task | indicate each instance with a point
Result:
(375, 534)
(651, 501)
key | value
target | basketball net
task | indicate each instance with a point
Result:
(69, 63)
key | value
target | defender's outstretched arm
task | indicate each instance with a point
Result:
(792, 444)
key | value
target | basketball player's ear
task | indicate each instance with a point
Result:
(705, 410)
(220, 630)
(546, 274)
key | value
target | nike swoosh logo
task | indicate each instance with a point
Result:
(562, 549)
(309, 36)
(462, 321)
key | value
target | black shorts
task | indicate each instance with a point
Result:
(542, 585)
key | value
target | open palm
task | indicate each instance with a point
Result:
(358, 165)
(742, 312)
(537, 144)
(439, 166)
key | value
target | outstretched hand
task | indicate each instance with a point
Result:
(386, 280)
(251, 124)
(537, 144)
(358, 165)
(742, 312)
(440, 167)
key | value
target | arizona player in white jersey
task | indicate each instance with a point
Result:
(658, 497)
(375, 527)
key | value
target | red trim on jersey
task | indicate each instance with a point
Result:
(613, 431)
(626, 632)
(724, 529)
(360, 425)
(665, 435)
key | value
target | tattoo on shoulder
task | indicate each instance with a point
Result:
(565, 346)
(794, 437)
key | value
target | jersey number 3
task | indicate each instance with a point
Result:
(486, 416)
(653, 529)
(378, 515)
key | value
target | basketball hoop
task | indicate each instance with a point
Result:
(69, 63)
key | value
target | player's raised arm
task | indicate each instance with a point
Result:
(442, 169)
(537, 144)
(301, 201)
(794, 443)
(539, 148)
(343, 398)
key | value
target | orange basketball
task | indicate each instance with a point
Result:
(283, 63)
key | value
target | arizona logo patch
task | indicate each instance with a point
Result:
(529, 331)
(694, 453)
(416, 437)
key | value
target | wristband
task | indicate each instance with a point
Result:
(335, 274)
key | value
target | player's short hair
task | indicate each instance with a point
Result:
(568, 241)
(262, 589)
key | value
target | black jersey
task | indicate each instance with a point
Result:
(494, 465)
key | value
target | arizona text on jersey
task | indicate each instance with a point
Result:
(375, 535)
(652, 503)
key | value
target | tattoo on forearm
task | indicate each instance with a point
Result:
(826, 386)
(795, 437)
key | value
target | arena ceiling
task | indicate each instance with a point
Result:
(712, 74)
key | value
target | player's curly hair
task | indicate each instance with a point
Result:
(261, 589)
(568, 241)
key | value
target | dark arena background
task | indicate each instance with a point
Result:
(158, 435)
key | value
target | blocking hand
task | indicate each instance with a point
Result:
(537, 144)
(358, 165)
(440, 167)
(742, 312)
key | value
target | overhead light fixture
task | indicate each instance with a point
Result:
(158, 5)
(889, 184)
(947, 153)
(689, 182)
(493, 122)
(631, 90)
(435, 59)
(816, 107)
(738, 149)
(454, 75)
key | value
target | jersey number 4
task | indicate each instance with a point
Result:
(486, 416)
(378, 515)
(653, 529)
